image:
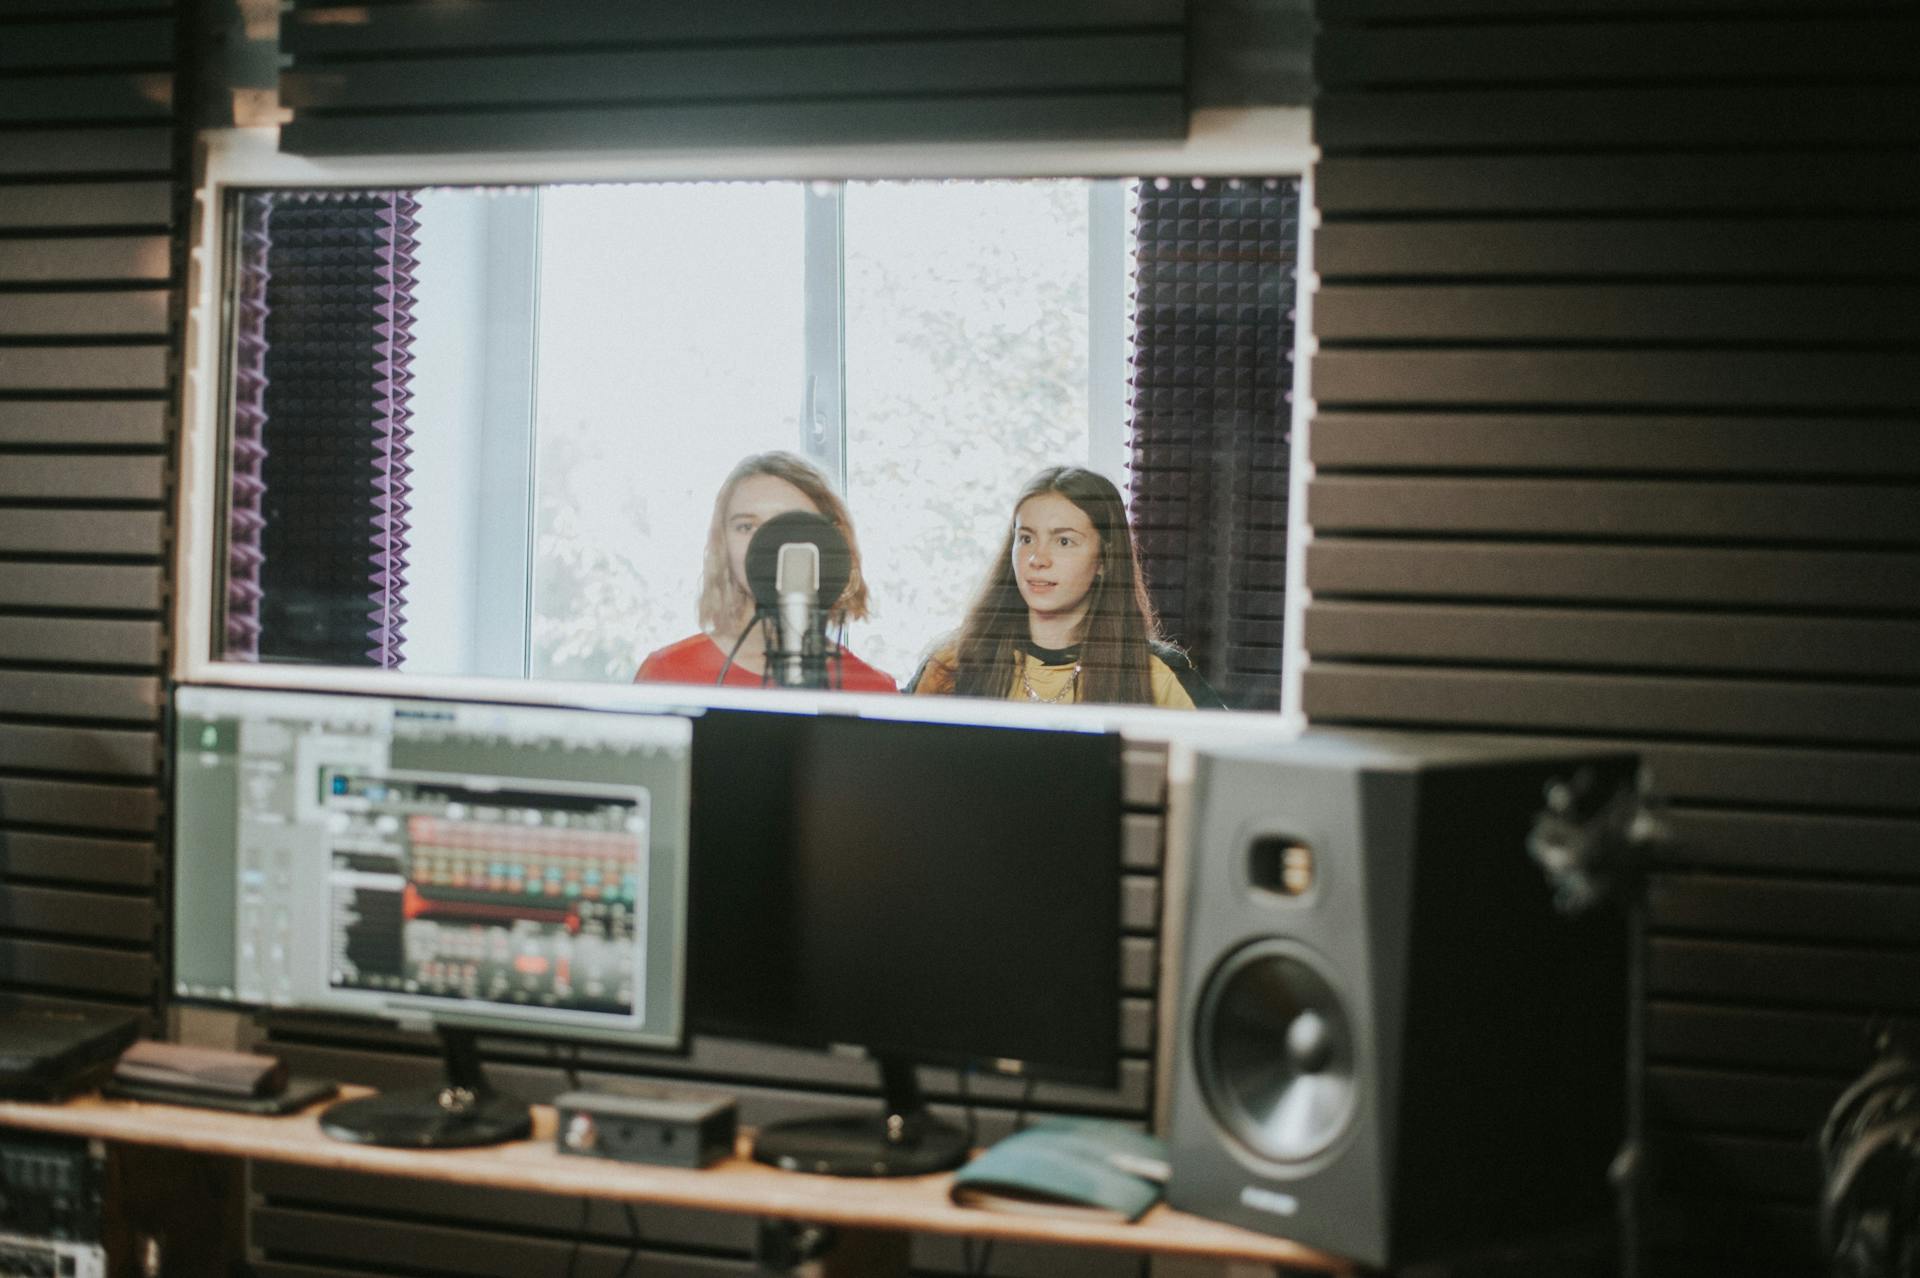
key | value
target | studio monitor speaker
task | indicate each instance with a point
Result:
(1402, 1002)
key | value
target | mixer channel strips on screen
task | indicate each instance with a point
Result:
(512, 897)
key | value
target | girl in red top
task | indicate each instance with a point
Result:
(760, 487)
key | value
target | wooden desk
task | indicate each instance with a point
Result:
(875, 1216)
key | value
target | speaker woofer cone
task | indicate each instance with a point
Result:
(1274, 1053)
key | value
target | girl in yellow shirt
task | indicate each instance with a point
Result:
(1063, 615)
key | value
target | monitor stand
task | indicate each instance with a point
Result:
(904, 1139)
(462, 1111)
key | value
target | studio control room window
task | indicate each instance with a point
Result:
(480, 430)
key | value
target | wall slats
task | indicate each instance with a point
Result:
(85, 478)
(1868, 980)
(114, 862)
(58, 969)
(1602, 640)
(412, 77)
(1765, 1240)
(77, 696)
(78, 258)
(1805, 381)
(115, 42)
(100, 751)
(908, 67)
(1742, 1166)
(1006, 117)
(1831, 248)
(25, 10)
(89, 915)
(93, 641)
(667, 1234)
(92, 155)
(1855, 913)
(1796, 314)
(1139, 959)
(1140, 903)
(1494, 53)
(84, 368)
(79, 422)
(1857, 180)
(86, 314)
(1360, 12)
(1793, 579)
(1725, 1101)
(431, 1200)
(1765, 1039)
(118, 478)
(69, 531)
(42, 99)
(1140, 841)
(68, 204)
(1789, 113)
(1600, 443)
(1869, 847)
(321, 28)
(421, 1249)
(129, 809)
(42, 153)
(1700, 780)
(1731, 709)
(101, 586)
(1613, 434)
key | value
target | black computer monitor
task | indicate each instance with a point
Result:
(932, 893)
(469, 866)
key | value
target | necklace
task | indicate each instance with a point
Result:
(1073, 684)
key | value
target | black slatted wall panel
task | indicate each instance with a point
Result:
(1617, 381)
(530, 74)
(91, 147)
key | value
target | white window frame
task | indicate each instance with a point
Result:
(1238, 142)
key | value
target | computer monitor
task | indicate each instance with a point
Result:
(469, 866)
(931, 893)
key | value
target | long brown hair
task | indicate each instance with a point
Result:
(1118, 630)
(724, 605)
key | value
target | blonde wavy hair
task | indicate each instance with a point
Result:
(724, 604)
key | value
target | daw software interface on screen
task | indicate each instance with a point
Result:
(494, 867)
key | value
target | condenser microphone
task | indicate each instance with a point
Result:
(797, 587)
(797, 566)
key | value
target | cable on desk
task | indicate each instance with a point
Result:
(570, 1070)
(1019, 1125)
(973, 1139)
(579, 1236)
(638, 1239)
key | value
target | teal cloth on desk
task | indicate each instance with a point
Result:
(1067, 1167)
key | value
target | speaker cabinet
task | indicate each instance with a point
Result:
(1393, 1044)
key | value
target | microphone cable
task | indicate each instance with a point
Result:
(836, 659)
(758, 618)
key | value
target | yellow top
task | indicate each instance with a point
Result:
(1054, 683)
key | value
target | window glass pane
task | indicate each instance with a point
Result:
(670, 345)
(966, 357)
